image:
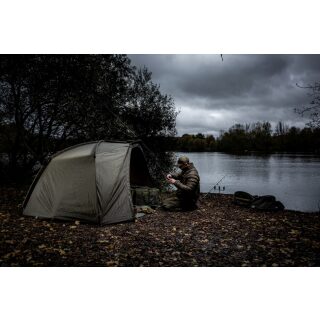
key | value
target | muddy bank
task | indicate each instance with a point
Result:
(219, 233)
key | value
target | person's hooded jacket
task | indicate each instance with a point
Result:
(188, 184)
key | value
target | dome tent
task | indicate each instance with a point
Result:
(90, 181)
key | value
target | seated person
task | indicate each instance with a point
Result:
(188, 187)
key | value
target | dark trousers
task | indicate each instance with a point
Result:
(174, 203)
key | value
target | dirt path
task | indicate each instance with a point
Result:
(218, 234)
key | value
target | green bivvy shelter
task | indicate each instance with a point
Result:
(90, 181)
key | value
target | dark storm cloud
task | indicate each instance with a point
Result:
(213, 94)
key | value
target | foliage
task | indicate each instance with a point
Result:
(195, 143)
(48, 102)
(313, 109)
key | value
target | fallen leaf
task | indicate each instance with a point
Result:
(11, 254)
(62, 252)
(112, 263)
(293, 231)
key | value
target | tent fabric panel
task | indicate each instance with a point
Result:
(113, 185)
(76, 196)
(103, 147)
(41, 200)
(84, 150)
(120, 207)
(66, 189)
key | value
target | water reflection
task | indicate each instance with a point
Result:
(293, 179)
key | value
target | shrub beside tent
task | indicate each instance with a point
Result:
(90, 182)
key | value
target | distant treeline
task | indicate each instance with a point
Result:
(257, 137)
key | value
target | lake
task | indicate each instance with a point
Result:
(293, 178)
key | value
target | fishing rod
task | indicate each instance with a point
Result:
(214, 186)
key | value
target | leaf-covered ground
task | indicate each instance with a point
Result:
(218, 234)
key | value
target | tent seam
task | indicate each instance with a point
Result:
(95, 170)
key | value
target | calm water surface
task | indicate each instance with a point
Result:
(293, 179)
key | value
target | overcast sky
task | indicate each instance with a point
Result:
(213, 95)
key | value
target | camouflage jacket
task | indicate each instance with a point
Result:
(188, 184)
